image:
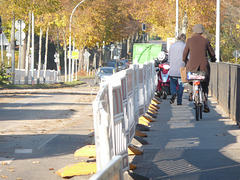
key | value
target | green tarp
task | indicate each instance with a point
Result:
(146, 52)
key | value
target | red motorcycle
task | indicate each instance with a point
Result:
(163, 86)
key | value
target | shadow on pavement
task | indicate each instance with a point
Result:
(182, 148)
(40, 146)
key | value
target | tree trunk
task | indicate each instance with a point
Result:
(39, 56)
(13, 48)
(184, 24)
(46, 53)
(128, 47)
(65, 55)
(73, 60)
(28, 49)
(95, 61)
(81, 59)
(23, 55)
(58, 60)
(100, 57)
(65, 58)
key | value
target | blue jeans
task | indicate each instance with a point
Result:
(174, 82)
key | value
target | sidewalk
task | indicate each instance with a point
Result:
(179, 147)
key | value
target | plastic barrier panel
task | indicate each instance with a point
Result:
(150, 83)
(102, 129)
(148, 86)
(116, 109)
(126, 113)
(51, 76)
(145, 69)
(153, 78)
(117, 120)
(141, 91)
(113, 171)
(130, 95)
(136, 92)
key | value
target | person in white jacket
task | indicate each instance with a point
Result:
(175, 58)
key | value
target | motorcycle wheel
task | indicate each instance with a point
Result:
(164, 95)
(158, 95)
(168, 90)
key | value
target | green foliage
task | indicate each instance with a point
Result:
(4, 76)
(230, 28)
(95, 21)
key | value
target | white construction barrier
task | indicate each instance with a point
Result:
(112, 171)
(19, 78)
(117, 119)
(146, 88)
(102, 129)
(130, 98)
(136, 93)
(124, 97)
(152, 75)
(141, 91)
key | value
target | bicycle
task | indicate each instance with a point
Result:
(196, 78)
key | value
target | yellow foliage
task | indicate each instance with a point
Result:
(113, 20)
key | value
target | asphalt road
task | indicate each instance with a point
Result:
(42, 128)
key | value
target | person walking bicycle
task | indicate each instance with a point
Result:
(175, 59)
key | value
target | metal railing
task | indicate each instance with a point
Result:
(225, 87)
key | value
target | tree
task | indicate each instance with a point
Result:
(109, 21)
(230, 28)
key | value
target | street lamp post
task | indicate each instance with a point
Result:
(32, 53)
(70, 48)
(176, 31)
(217, 48)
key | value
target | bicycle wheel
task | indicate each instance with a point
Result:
(197, 109)
(201, 110)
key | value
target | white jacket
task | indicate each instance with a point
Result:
(175, 58)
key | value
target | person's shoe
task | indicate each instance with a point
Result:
(179, 103)
(206, 109)
(190, 98)
(173, 98)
